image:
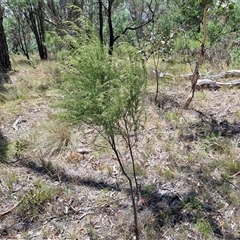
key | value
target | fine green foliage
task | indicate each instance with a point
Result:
(99, 89)
(107, 92)
(180, 153)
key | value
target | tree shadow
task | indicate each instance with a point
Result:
(166, 102)
(4, 78)
(208, 126)
(3, 147)
(170, 209)
(59, 174)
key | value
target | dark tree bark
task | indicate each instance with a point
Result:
(110, 26)
(132, 27)
(100, 4)
(5, 64)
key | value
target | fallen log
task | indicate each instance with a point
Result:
(235, 83)
(227, 74)
(213, 85)
(207, 83)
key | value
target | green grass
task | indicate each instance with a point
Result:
(204, 228)
(36, 201)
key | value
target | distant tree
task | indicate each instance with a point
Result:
(158, 39)
(19, 32)
(34, 13)
(205, 4)
(116, 21)
(100, 15)
(142, 12)
(5, 63)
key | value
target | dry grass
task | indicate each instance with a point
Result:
(188, 164)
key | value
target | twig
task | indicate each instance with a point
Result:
(230, 182)
(143, 131)
(2, 215)
(14, 126)
(85, 214)
(234, 175)
(82, 210)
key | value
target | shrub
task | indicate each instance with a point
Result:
(107, 92)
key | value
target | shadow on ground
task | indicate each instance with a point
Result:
(3, 147)
(59, 174)
(4, 78)
(208, 126)
(172, 209)
(164, 102)
(168, 207)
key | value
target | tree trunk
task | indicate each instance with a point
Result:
(110, 26)
(100, 4)
(35, 19)
(195, 75)
(5, 64)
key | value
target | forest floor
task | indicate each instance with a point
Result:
(188, 164)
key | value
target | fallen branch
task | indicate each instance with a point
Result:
(85, 214)
(207, 83)
(234, 175)
(227, 74)
(78, 211)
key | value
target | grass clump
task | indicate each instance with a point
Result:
(51, 138)
(35, 202)
(204, 227)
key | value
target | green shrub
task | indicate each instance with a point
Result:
(107, 92)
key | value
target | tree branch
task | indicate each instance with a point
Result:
(137, 27)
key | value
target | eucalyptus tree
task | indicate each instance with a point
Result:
(5, 63)
(205, 5)
(18, 30)
(34, 14)
(31, 12)
(224, 33)
(55, 12)
(142, 13)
